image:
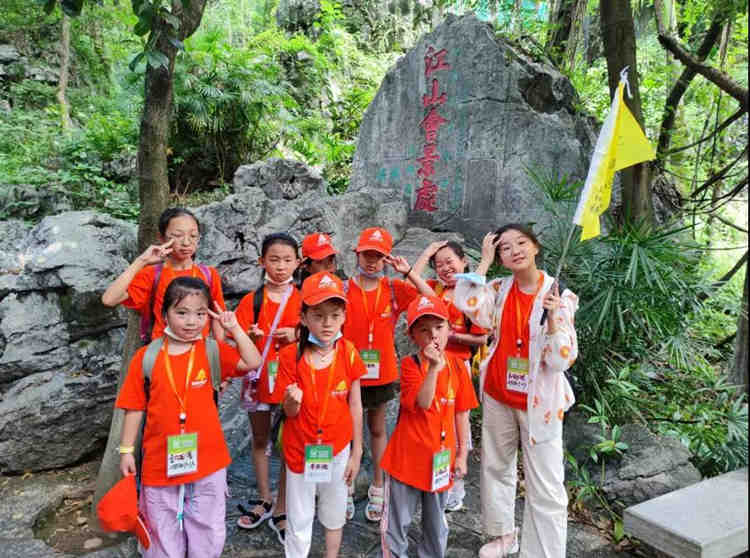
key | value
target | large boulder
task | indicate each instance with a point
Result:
(485, 116)
(60, 348)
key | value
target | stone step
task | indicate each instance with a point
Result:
(704, 520)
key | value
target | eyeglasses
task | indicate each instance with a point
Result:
(191, 239)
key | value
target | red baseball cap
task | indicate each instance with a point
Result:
(317, 246)
(321, 286)
(375, 238)
(425, 306)
(118, 511)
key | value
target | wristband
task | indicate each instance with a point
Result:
(408, 272)
(126, 449)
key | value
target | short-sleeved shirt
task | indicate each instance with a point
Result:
(289, 318)
(139, 292)
(357, 326)
(416, 438)
(336, 424)
(458, 321)
(496, 381)
(163, 410)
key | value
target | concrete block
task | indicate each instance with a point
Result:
(705, 520)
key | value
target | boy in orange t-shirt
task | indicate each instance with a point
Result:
(319, 380)
(374, 303)
(422, 456)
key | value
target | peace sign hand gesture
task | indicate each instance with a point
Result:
(156, 253)
(225, 318)
(399, 263)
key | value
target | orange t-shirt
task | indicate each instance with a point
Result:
(163, 410)
(139, 292)
(496, 384)
(416, 438)
(457, 322)
(337, 424)
(289, 318)
(357, 326)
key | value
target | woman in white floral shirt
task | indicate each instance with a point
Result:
(524, 393)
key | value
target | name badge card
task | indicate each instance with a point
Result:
(441, 469)
(182, 454)
(273, 373)
(318, 463)
(371, 358)
(517, 378)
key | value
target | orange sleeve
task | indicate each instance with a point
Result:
(229, 358)
(476, 330)
(405, 293)
(139, 290)
(216, 293)
(356, 367)
(466, 399)
(132, 394)
(411, 382)
(244, 311)
(287, 372)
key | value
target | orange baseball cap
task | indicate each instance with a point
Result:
(375, 238)
(118, 511)
(317, 246)
(321, 286)
(425, 306)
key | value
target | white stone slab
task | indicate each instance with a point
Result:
(705, 520)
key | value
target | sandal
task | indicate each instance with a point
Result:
(280, 531)
(350, 504)
(251, 517)
(374, 509)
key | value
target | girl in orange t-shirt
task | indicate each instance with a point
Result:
(183, 444)
(319, 380)
(429, 445)
(142, 285)
(373, 307)
(273, 328)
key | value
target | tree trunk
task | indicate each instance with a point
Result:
(560, 21)
(576, 33)
(62, 85)
(739, 373)
(153, 184)
(618, 34)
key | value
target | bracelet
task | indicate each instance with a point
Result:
(126, 449)
(408, 272)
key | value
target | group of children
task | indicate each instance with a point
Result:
(319, 352)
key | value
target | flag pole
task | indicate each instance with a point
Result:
(560, 266)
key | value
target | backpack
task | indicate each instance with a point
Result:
(212, 352)
(147, 323)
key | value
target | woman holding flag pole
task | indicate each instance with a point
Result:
(522, 384)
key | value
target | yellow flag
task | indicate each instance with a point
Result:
(621, 143)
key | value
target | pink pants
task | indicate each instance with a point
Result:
(203, 530)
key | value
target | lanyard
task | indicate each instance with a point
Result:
(168, 365)
(522, 322)
(439, 407)
(322, 413)
(371, 320)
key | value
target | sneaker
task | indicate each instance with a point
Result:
(498, 549)
(454, 506)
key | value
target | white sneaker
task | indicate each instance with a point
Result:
(498, 549)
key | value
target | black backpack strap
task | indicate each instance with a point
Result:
(257, 302)
(149, 359)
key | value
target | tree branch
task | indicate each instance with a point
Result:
(682, 83)
(718, 78)
(729, 223)
(726, 277)
(719, 174)
(721, 127)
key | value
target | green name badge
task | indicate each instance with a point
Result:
(318, 463)
(517, 378)
(182, 454)
(371, 358)
(273, 373)
(441, 469)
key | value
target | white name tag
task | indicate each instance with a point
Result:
(182, 454)
(517, 377)
(318, 463)
(371, 358)
(441, 469)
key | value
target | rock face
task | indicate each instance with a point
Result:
(60, 347)
(457, 124)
